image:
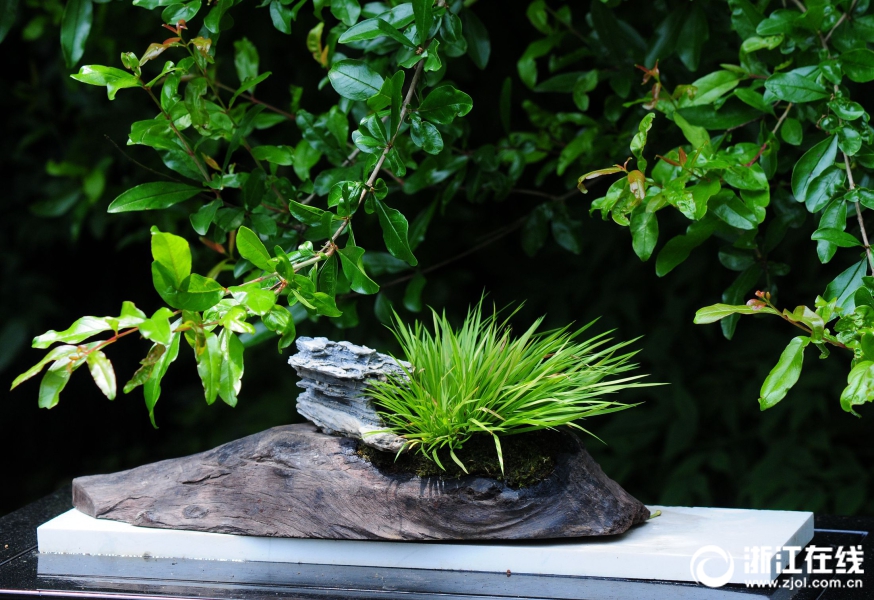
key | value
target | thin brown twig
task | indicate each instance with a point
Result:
(139, 164)
(251, 98)
(331, 245)
(852, 185)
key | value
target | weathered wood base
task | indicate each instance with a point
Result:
(293, 481)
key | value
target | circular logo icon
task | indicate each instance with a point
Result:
(721, 566)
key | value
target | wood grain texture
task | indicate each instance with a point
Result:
(293, 481)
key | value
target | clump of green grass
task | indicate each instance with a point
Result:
(480, 379)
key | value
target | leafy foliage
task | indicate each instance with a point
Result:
(480, 379)
(555, 100)
(793, 62)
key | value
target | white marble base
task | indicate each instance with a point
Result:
(661, 549)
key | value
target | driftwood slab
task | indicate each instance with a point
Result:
(293, 481)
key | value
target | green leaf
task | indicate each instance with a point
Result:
(423, 11)
(325, 305)
(755, 99)
(231, 370)
(567, 232)
(785, 374)
(157, 328)
(75, 28)
(791, 132)
(281, 17)
(644, 233)
(479, 48)
(711, 87)
(413, 293)
(152, 196)
(280, 155)
(811, 165)
(197, 293)
(152, 386)
(425, 135)
(394, 232)
(102, 373)
(694, 33)
(839, 238)
(795, 87)
(53, 383)
(80, 330)
(750, 178)
(731, 114)
(280, 321)
(209, 364)
(201, 220)
(860, 386)
(370, 29)
(173, 254)
(844, 286)
(54, 354)
(353, 269)
(246, 60)
(445, 103)
(113, 79)
(858, 65)
(257, 300)
(678, 248)
(308, 215)
(716, 312)
(346, 11)
(354, 79)
(697, 136)
(250, 247)
(728, 207)
(638, 142)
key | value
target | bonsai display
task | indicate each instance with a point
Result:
(479, 382)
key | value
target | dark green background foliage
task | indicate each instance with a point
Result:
(520, 235)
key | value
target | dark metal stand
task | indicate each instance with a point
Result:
(24, 572)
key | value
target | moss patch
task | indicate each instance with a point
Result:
(529, 458)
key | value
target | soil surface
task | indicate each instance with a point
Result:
(529, 458)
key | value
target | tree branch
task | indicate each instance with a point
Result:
(859, 213)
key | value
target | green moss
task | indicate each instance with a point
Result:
(529, 458)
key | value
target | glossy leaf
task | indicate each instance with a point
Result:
(231, 369)
(644, 233)
(858, 64)
(355, 80)
(445, 103)
(839, 238)
(250, 247)
(102, 373)
(353, 269)
(784, 374)
(75, 28)
(53, 383)
(52, 355)
(209, 364)
(152, 196)
(795, 87)
(811, 165)
(394, 232)
(80, 330)
(717, 312)
(152, 386)
(114, 79)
